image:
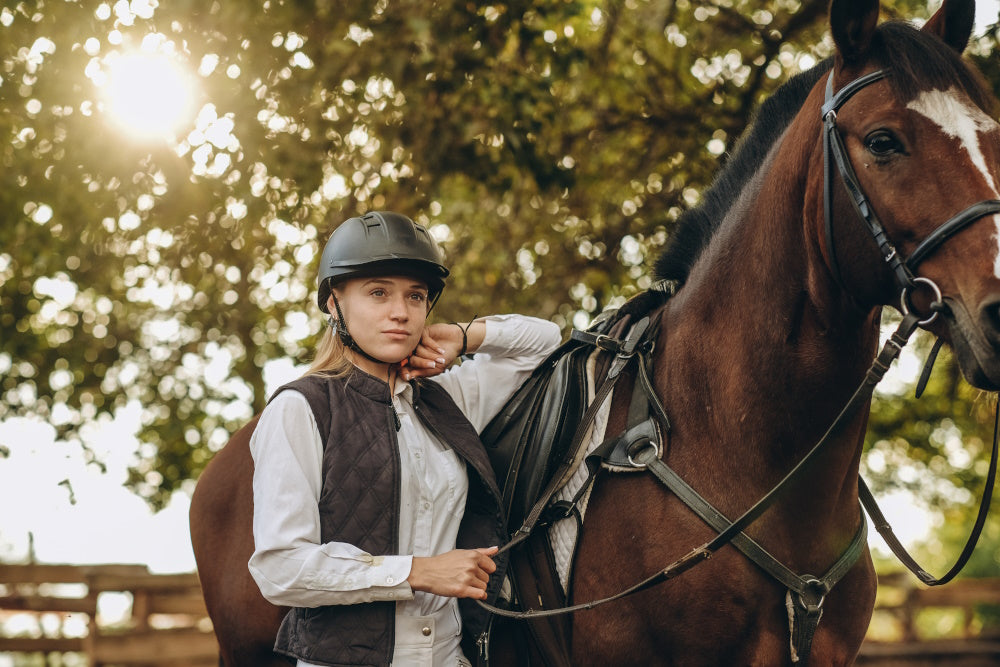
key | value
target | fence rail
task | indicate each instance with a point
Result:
(944, 625)
(167, 625)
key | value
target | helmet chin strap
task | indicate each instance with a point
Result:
(348, 339)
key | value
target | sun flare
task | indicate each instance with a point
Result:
(148, 95)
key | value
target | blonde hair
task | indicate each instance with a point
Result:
(331, 357)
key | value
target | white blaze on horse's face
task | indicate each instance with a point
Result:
(960, 119)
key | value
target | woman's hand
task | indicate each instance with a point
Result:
(462, 573)
(439, 346)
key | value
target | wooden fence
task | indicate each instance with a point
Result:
(48, 605)
(167, 626)
(957, 624)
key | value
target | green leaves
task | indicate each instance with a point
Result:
(549, 145)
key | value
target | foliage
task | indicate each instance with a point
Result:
(550, 145)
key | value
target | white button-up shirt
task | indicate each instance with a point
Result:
(290, 564)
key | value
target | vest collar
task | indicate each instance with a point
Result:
(368, 386)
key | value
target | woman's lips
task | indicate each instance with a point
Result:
(397, 334)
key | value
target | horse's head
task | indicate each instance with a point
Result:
(919, 151)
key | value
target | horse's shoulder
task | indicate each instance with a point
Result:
(230, 466)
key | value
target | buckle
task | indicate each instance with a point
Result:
(607, 343)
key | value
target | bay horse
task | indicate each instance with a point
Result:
(773, 326)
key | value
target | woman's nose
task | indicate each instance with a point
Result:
(399, 309)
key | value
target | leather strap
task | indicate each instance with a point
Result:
(890, 350)
(950, 228)
(885, 530)
(626, 351)
(599, 340)
(804, 585)
(806, 593)
(835, 153)
(812, 595)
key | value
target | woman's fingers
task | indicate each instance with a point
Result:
(429, 358)
(462, 573)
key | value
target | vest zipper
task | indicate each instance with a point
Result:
(392, 406)
(395, 417)
(397, 501)
(483, 642)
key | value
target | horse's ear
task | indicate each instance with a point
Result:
(852, 24)
(953, 23)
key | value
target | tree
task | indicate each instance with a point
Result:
(549, 145)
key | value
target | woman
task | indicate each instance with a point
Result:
(375, 507)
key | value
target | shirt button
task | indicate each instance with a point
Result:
(426, 631)
(427, 506)
(390, 580)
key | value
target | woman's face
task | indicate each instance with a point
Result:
(384, 314)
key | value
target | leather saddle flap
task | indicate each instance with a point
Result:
(528, 439)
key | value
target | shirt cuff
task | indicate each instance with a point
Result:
(387, 579)
(381, 578)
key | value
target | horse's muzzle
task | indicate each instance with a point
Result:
(976, 340)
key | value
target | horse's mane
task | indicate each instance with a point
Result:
(696, 226)
(916, 61)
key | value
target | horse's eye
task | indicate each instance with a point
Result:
(883, 143)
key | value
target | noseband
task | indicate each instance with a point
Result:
(835, 153)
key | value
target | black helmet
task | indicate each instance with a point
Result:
(380, 243)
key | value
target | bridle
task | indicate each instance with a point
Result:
(903, 269)
(637, 444)
(834, 153)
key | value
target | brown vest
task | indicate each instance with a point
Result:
(359, 504)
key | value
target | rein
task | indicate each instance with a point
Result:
(885, 530)
(639, 448)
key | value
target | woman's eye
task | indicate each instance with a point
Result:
(378, 292)
(417, 296)
(883, 143)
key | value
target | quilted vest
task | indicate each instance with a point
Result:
(359, 504)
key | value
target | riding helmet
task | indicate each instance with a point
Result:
(380, 243)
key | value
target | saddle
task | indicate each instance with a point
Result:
(533, 444)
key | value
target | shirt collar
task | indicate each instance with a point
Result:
(404, 390)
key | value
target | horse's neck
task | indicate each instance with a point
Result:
(762, 353)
